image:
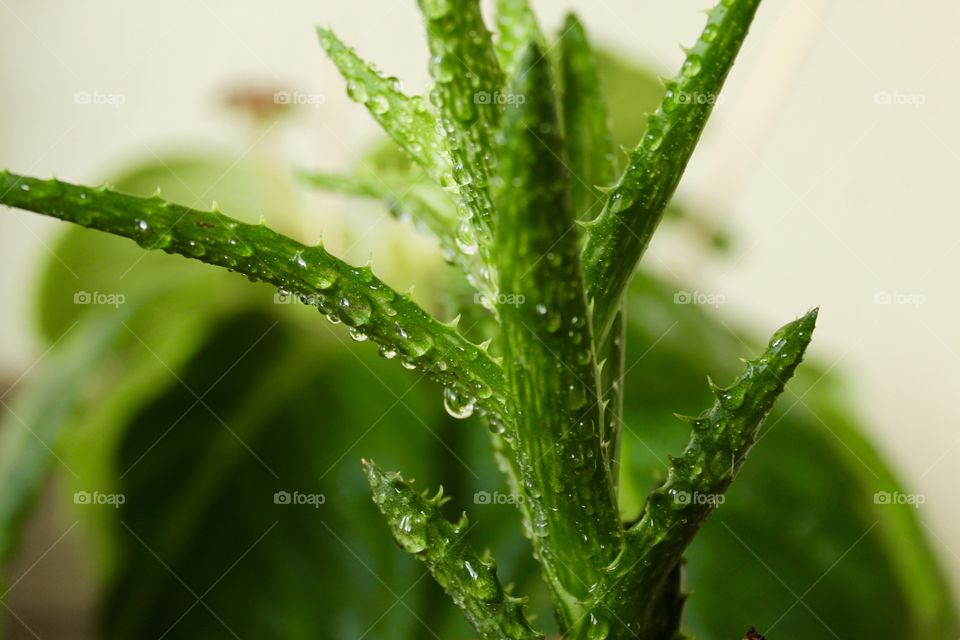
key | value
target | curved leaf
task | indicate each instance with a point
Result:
(471, 581)
(621, 233)
(347, 293)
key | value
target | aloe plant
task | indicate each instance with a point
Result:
(519, 183)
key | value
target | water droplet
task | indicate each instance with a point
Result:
(551, 319)
(653, 139)
(441, 69)
(731, 400)
(358, 335)
(709, 33)
(142, 226)
(462, 175)
(496, 425)
(354, 310)
(576, 396)
(670, 100)
(298, 260)
(357, 91)
(466, 238)
(387, 353)
(378, 105)
(322, 278)
(617, 202)
(24, 187)
(692, 66)
(470, 569)
(457, 404)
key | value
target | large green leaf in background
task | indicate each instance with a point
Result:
(304, 404)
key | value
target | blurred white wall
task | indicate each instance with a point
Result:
(835, 148)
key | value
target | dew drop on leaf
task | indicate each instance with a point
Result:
(653, 139)
(323, 278)
(357, 91)
(692, 66)
(457, 404)
(466, 238)
(354, 310)
(387, 353)
(709, 33)
(379, 105)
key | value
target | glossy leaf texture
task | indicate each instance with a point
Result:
(184, 507)
(468, 82)
(588, 142)
(815, 494)
(801, 516)
(470, 580)
(722, 436)
(517, 26)
(346, 293)
(621, 233)
(409, 121)
(549, 361)
(586, 123)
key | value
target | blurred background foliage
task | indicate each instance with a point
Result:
(203, 395)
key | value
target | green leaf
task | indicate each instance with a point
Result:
(619, 236)
(517, 26)
(95, 262)
(803, 500)
(586, 125)
(722, 436)
(612, 354)
(470, 580)
(350, 294)
(468, 82)
(589, 146)
(548, 349)
(408, 120)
